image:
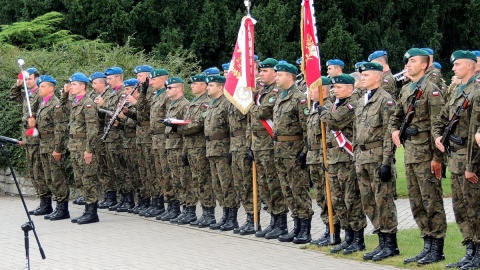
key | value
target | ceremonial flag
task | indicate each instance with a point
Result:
(310, 52)
(240, 81)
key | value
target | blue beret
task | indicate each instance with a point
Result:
(287, 68)
(198, 78)
(437, 65)
(376, 55)
(46, 78)
(97, 75)
(216, 78)
(462, 55)
(143, 68)
(370, 66)
(113, 71)
(414, 52)
(130, 82)
(343, 79)
(336, 62)
(299, 61)
(173, 80)
(31, 70)
(477, 53)
(255, 57)
(358, 64)
(326, 80)
(211, 71)
(428, 50)
(282, 62)
(79, 77)
(159, 72)
(226, 66)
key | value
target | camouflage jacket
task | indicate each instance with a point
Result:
(177, 109)
(261, 110)
(290, 119)
(129, 128)
(339, 118)
(193, 132)
(216, 126)
(237, 122)
(419, 148)
(473, 150)
(101, 116)
(143, 107)
(112, 99)
(158, 111)
(314, 135)
(52, 138)
(83, 126)
(17, 95)
(371, 128)
(435, 76)
(388, 83)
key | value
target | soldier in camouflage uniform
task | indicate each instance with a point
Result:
(260, 150)
(83, 132)
(434, 74)
(373, 158)
(290, 133)
(34, 163)
(194, 151)
(423, 161)
(465, 186)
(52, 133)
(217, 136)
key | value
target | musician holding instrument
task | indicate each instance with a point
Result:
(418, 105)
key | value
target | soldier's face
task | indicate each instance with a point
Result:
(198, 87)
(267, 75)
(77, 88)
(315, 94)
(415, 65)
(462, 68)
(114, 80)
(142, 76)
(46, 89)
(174, 91)
(284, 79)
(99, 85)
(333, 71)
(477, 67)
(31, 81)
(158, 82)
(128, 90)
(215, 90)
(370, 79)
(342, 90)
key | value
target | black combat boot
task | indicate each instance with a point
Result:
(191, 215)
(201, 219)
(232, 221)
(111, 200)
(390, 248)
(271, 226)
(347, 241)
(250, 228)
(157, 209)
(475, 262)
(322, 238)
(467, 258)
(381, 242)
(145, 205)
(304, 235)
(99, 203)
(74, 220)
(61, 212)
(280, 228)
(222, 221)
(293, 233)
(435, 254)
(174, 212)
(91, 215)
(427, 245)
(139, 204)
(36, 209)
(358, 243)
(238, 229)
(45, 207)
(47, 216)
(182, 215)
(128, 203)
(167, 211)
(119, 204)
(336, 237)
(209, 218)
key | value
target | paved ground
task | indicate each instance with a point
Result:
(111, 244)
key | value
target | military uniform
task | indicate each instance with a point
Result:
(434, 75)
(388, 83)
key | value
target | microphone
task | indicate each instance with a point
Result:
(9, 140)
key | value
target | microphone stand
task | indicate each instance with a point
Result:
(28, 226)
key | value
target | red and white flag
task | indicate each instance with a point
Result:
(310, 52)
(240, 81)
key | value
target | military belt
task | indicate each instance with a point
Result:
(144, 123)
(173, 136)
(288, 138)
(158, 131)
(215, 137)
(130, 135)
(456, 147)
(261, 133)
(237, 133)
(314, 147)
(78, 135)
(421, 135)
(46, 135)
(368, 146)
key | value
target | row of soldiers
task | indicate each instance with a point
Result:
(208, 158)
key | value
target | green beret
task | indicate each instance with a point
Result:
(326, 80)
(268, 63)
(462, 55)
(173, 80)
(414, 52)
(343, 79)
(159, 72)
(198, 78)
(216, 78)
(370, 66)
(287, 68)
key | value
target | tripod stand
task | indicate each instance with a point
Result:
(28, 226)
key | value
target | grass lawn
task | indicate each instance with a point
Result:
(410, 244)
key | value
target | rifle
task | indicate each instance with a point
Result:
(107, 112)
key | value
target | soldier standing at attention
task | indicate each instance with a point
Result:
(423, 161)
(373, 158)
(290, 134)
(434, 74)
(388, 82)
(335, 67)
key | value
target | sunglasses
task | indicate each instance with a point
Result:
(171, 87)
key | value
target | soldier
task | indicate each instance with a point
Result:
(213, 71)
(34, 163)
(83, 134)
(217, 137)
(335, 67)
(388, 82)
(52, 132)
(465, 191)
(423, 161)
(194, 151)
(301, 82)
(260, 150)
(290, 133)
(373, 158)
(434, 74)
(225, 68)
(315, 161)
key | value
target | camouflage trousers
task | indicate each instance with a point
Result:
(425, 195)
(317, 175)
(201, 176)
(269, 187)
(466, 206)
(346, 198)
(104, 171)
(243, 181)
(132, 178)
(35, 170)
(146, 168)
(55, 176)
(377, 198)
(295, 187)
(86, 175)
(181, 178)
(222, 182)
(161, 181)
(116, 164)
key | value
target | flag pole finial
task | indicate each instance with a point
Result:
(248, 4)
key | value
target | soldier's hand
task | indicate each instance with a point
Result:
(31, 122)
(131, 100)
(116, 123)
(385, 173)
(66, 88)
(99, 101)
(185, 160)
(144, 87)
(439, 145)
(88, 157)
(56, 156)
(396, 138)
(121, 115)
(436, 168)
(250, 155)
(321, 109)
(471, 177)
(19, 82)
(302, 160)
(477, 138)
